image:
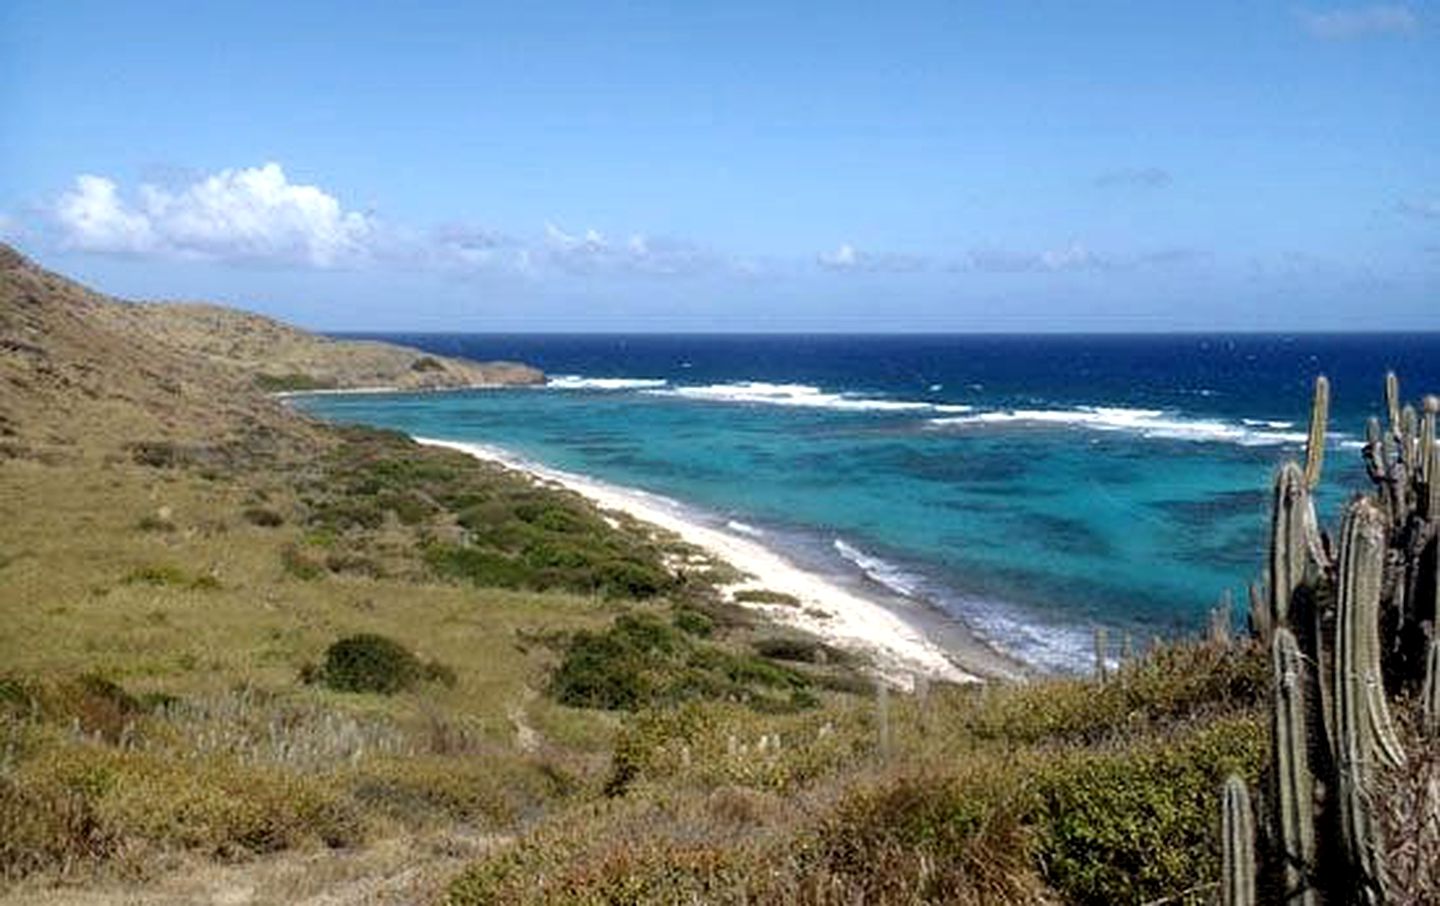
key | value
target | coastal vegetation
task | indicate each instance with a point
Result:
(248, 651)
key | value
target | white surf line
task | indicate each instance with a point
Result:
(898, 650)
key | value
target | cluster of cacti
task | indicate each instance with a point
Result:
(1344, 626)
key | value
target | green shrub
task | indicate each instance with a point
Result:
(1141, 824)
(481, 567)
(293, 382)
(693, 622)
(373, 663)
(154, 522)
(263, 517)
(766, 596)
(158, 576)
(641, 661)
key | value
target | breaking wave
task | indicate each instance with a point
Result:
(802, 395)
(1156, 423)
(580, 382)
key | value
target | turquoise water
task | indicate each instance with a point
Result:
(1029, 515)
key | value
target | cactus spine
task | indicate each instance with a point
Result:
(1238, 826)
(1295, 785)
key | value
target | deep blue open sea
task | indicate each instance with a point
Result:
(1033, 486)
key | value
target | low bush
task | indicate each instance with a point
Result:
(263, 517)
(373, 663)
(292, 382)
(640, 661)
(766, 596)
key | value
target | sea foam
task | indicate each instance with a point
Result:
(885, 573)
(1049, 646)
(801, 395)
(1155, 423)
(580, 382)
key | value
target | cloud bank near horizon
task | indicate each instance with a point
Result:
(259, 216)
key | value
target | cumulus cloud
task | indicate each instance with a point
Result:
(592, 252)
(1359, 21)
(252, 214)
(848, 258)
(96, 220)
(1135, 178)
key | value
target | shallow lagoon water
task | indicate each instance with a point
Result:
(1034, 487)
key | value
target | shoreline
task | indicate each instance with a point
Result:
(901, 641)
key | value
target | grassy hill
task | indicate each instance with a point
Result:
(248, 657)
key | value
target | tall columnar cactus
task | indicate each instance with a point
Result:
(1237, 884)
(1315, 442)
(1392, 399)
(1363, 735)
(1430, 693)
(1340, 626)
(1431, 406)
(1295, 547)
(1294, 784)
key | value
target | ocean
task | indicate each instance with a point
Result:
(1032, 486)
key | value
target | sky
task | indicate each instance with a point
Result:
(907, 166)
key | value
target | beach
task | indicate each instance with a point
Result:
(901, 641)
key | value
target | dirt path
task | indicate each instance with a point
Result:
(396, 872)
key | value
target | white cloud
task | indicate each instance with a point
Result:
(592, 252)
(253, 214)
(1072, 257)
(96, 220)
(849, 258)
(1359, 21)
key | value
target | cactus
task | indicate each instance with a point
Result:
(1315, 442)
(1295, 546)
(1238, 878)
(1220, 616)
(1295, 785)
(1360, 689)
(1430, 692)
(1321, 617)
(1392, 400)
(1262, 626)
(1360, 719)
(1427, 440)
(1102, 649)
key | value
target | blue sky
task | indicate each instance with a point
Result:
(761, 166)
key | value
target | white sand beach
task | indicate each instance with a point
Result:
(898, 649)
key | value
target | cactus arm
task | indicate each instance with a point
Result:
(1315, 442)
(1392, 401)
(1261, 625)
(1410, 438)
(1238, 862)
(1430, 692)
(1296, 548)
(1362, 731)
(1295, 785)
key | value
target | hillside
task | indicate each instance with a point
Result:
(253, 658)
(285, 357)
(79, 365)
